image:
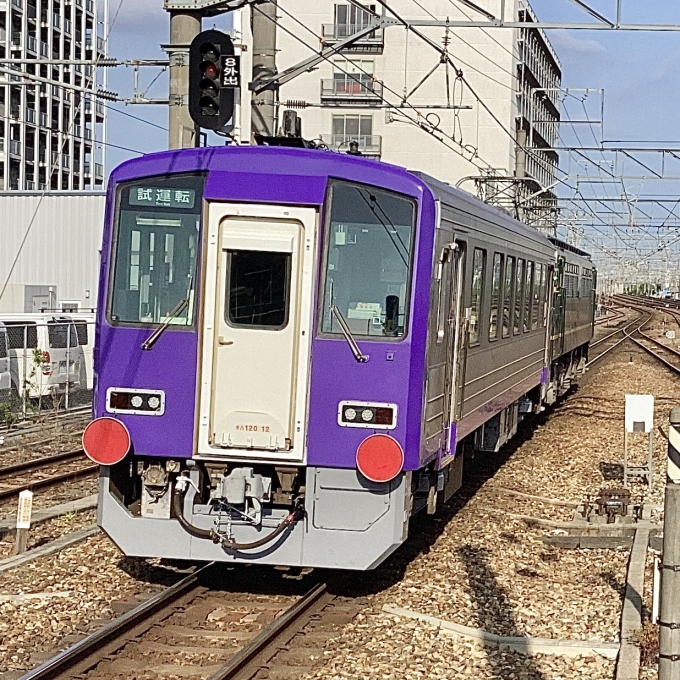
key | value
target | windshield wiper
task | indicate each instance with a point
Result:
(151, 340)
(361, 358)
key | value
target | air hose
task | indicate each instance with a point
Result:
(229, 544)
(177, 503)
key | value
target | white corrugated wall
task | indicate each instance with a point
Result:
(62, 246)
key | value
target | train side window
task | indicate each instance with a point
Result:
(535, 307)
(496, 289)
(22, 335)
(3, 344)
(478, 270)
(508, 294)
(519, 297)
(528, 279)
(258, 289)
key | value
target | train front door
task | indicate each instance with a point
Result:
(256, 330)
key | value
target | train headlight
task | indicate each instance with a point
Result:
(134, 401)
(367, 414)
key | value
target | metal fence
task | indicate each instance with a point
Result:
(45, 363)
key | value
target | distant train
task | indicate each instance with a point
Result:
(296, 348)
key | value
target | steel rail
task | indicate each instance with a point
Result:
(61, 664)
(269, 642)
(39, 462)
(48, 481)
(85, 654)
(623, 330)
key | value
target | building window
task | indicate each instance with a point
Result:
(478, 267)
(353, 77)
(349, 19)
(355, 128)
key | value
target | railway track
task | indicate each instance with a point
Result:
(197, 622)
(42, 421)
(27, 470)
(611, 341)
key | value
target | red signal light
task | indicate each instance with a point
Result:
(106, 441)
(210, 70)
(380, 458)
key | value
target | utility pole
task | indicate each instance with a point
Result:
(669, 613)
(263, 104)
(184, 27)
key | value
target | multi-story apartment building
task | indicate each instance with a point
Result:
(400, 100)
(49, 132)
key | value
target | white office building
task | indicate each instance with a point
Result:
(399, 100)
(50, 133)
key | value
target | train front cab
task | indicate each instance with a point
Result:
(308, 359)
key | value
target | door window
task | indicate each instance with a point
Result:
(496, 281)
(508, 293)
(258, 289)
(478, 267)
(519, 297)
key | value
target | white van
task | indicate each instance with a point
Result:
(84, 324)
(44, 354)
(5, 377)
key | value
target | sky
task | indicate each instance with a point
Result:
(638, 72)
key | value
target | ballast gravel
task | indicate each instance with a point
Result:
(475, 564)
(478, 566)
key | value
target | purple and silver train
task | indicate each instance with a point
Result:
(297, 348)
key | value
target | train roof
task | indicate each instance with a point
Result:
(463, 200)
(263, 160)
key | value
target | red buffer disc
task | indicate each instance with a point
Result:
(106, 441)
(380, 458)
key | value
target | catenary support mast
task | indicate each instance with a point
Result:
(184, 27)
(263, 104)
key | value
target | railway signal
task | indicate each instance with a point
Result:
(214, 76)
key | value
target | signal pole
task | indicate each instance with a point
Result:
(263, 105)
(184, 27)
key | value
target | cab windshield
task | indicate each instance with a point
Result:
(155, 251)
(368, 261)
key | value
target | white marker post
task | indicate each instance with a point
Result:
(23, 521)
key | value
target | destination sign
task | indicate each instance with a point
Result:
(163, 197)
